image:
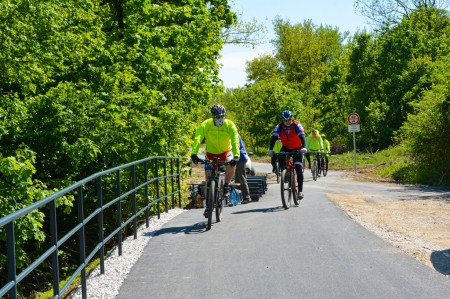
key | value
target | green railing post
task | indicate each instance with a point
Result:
(54, 242)
(81, 237)
(147, 216)
(133, 180)
(119, 213)
(101, 236)
(11, 253)
(166, 201)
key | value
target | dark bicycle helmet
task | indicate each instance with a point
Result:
(217, 109)
(286, 114)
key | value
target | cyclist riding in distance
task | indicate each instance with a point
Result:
(292, 136)
(222, 141)
(276, 149)
(313, 143)
(326, 148)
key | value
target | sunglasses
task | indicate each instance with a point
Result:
(287, 120)
(219, 116)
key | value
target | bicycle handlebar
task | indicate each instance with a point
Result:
(296, 152)
(214, 162)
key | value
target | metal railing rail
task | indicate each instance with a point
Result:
(14, 278)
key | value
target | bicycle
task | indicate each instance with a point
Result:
(315, 170)
(215, 199)
(288, 184)
(323, 165)
(277, 170)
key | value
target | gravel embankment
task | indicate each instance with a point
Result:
(117, 267)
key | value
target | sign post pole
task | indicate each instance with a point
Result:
(354, 150)
(353, 120)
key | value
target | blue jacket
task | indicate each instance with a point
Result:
(242, 150)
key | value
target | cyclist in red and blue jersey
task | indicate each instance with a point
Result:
(292, 136)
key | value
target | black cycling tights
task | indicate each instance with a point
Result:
(298, 170)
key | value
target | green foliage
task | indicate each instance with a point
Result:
(18, 190)
(257, 109)
(426, 131)
(89, 85)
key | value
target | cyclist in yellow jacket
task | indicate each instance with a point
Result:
(276, 149)
(222, 141)
(313, 143)
(326, 148)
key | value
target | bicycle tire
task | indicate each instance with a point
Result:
(219, 208)
(211, 200)
(286, 189)
(277, 170)
(325, 170)
(314, 170)
(220, 199)
(294, 188)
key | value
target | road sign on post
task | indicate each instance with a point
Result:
(354, 128)
(353, 120)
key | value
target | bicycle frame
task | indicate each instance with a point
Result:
(288, 182)
(315, 167)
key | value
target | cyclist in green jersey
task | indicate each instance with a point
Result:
(222, 142)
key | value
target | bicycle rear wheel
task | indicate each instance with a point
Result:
(286, 189)
(314, 170)
(210, 202)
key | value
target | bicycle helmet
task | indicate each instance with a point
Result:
(218, 110)
(286, 114)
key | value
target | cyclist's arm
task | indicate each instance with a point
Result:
(199, 135)
(235, 146)
(302, 138)
(273, 139)
(308, 142)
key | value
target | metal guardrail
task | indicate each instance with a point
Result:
(169, 183)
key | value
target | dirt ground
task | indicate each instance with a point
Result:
(415, 223)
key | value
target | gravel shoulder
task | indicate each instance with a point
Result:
(414, 219)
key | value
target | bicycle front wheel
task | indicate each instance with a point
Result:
(277, 169)
(325, 169)
(210, 202)
(286, 189)
(219, 206)
(314, 170)
(294, 188)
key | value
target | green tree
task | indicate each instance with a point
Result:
(426, 130)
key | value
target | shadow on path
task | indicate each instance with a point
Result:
(192, 229)
(441, 261)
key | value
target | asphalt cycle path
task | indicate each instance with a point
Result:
(261, 250)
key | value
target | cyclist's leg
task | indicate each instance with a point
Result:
(241, 178)
(326, 161)
(208, 173)
(282, 163)
(309, 160)
(273, 161)
(298, 170)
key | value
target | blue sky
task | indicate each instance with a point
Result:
(339, 13)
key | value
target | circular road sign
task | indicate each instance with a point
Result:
(353, 118)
